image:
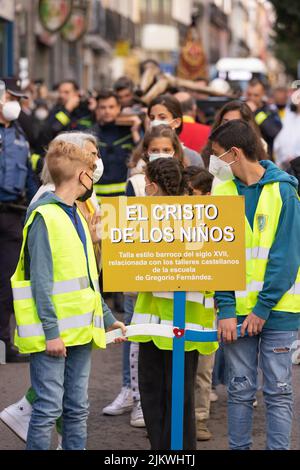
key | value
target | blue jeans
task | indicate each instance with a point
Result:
(271, 349)
(61, 386)
(128, 313)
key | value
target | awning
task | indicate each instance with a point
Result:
(96, 42)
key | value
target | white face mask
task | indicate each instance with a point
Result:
(98, 172)
(220, 169)
(11, 110)
(41, 114)
(159, 122)
(155, 156)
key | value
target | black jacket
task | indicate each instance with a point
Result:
(269, 123)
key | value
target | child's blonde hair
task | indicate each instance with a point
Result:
(64, 157)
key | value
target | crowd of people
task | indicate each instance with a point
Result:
(62, 152)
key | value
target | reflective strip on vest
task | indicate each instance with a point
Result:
(62, 118)
(190, 296)
(140, 319)
(209, 302)
(257, 252)
(110, 188)
(257, 286)
(261, 117)
(85, 122)
(59, 287)
(98, 322)
(96, 285)
(62, 287)
(295, 289)
(34, 158)
(254, 286)
(76, 321)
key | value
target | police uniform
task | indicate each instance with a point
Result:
(269, 124)
(115, 144)
(61, 120)
(16, 182)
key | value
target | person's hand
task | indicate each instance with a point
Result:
(72, 103)
(253, 324)
(93, 222)
(135, 128)
(136, 123)
(116, 326)
(56, 348)
(252, 106)
(227, 330)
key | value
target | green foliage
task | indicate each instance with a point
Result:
(287, 30)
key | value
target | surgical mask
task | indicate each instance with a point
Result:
(11, 110)
(159, 122)
(155, 156)
(41, 114)
(220, 169)
(98, 172)
(88, 192)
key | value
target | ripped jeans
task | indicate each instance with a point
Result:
(271, 349)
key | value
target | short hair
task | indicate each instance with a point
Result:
(188, 105)
(71, 81)
(123, 83)
(106, 94)
(77, 138)
(202, 180)
(247, 116)
(63, 158)
(257, 81)
(237, 133)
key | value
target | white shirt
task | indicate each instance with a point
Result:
(287, 141)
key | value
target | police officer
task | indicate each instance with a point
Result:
(266, 117)
(17, 187)
(69, 114)
(116, 144)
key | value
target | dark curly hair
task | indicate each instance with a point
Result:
(168, 174)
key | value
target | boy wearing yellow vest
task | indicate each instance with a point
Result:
(57, 301)
(268, 309)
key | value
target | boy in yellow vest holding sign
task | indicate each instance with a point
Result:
(269, 308)
(57, 302)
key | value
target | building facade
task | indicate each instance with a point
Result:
(7, 16)
(103, 39)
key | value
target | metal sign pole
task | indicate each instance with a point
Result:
(177, 412)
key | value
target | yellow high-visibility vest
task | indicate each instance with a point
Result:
(259, 241)
(77, 305)
(157, 308)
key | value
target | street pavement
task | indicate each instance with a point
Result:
(115, 432)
